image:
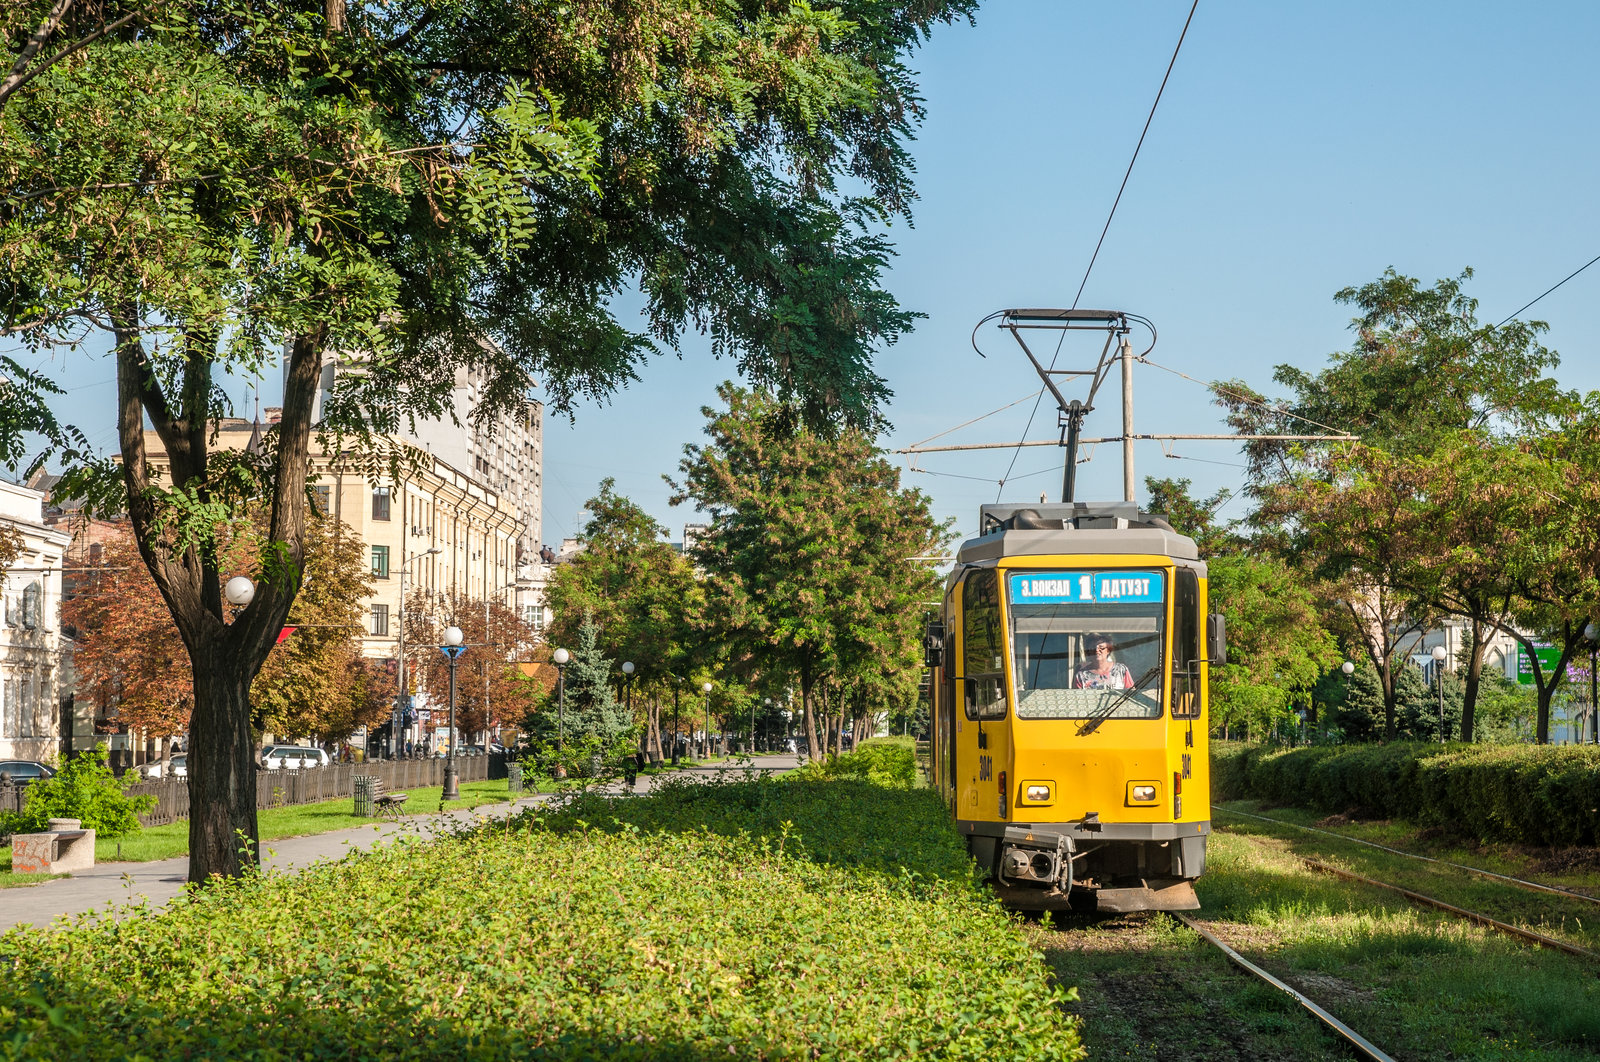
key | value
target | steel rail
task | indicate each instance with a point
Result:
(1519, 882)
(1349, 1035)
(1460, 912)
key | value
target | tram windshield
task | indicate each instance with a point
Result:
(1087, 644)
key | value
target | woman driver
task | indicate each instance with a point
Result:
(1103, 672)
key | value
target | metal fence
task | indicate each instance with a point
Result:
(281, 788)
(284, 787)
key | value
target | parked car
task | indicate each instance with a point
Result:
(276, 757)
(150, 771)
(180, 765)
(24, 771)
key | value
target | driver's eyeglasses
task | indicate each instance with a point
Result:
(1102, 648)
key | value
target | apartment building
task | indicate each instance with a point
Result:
(34, 702)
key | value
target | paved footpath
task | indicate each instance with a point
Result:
(119, 884)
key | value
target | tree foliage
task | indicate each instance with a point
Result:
(489, 686)
(397, 183)
(816, 557)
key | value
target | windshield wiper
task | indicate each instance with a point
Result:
(1091, 724)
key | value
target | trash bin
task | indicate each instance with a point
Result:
(514, 778)
(366, 785)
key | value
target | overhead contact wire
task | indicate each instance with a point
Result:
(1553, 287)
(1106, 228)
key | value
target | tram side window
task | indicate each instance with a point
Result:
(982, 646)
(1186, 651)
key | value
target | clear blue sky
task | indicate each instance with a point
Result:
(1298, 149)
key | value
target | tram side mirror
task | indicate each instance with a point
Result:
(933, 645)
(1216, 639)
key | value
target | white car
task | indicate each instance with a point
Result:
(276, 757)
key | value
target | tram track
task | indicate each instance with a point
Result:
(1508, 879)
(1364, 1047)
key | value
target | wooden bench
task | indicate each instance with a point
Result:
(387, 803)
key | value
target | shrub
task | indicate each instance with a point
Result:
(889, 762)
(1523, 794)
(83, 789)
(751, 918)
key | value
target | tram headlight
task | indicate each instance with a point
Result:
(1141, 792)
(1038, 794)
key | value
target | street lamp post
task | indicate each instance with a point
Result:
(627, 692)
(452, 648)
(768, 703)
(706, 753)
(677, 688)
(402, 695)
(1438, 654)
(1592, 633)
(559, 658)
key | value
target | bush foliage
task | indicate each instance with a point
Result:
(84, 789)
(889, 762)
(751, 918)
(1522, 794)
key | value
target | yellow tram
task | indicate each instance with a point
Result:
(1069, 705)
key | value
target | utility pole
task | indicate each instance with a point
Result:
(1127, 420)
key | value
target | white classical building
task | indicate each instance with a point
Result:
(31, 697)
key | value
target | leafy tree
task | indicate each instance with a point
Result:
(1278, 647)
(398, 182)
(489, 685)
(84, 789)
(594, 723)
(642, 596)
(1424, 383)
(814, 558)
(315, 681)
(126, 650)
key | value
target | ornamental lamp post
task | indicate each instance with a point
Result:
(706, 687)
(1439, 653)
(768, 703)
(239, 591)
(627, 690)
(559, 658)
(1592, 632)
(452, 648)
(677, 688)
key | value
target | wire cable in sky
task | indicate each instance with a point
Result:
(1557, 284)
(1241, 396)
(1107, 226)
(1140, 144)
(974, 420)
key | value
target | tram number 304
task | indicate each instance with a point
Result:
(985, 768)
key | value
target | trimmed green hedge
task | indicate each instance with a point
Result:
(889, 762)
(758, 918)
(1523, 794)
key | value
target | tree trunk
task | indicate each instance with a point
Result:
(1469, 699)
(807, 690)
(222, 769)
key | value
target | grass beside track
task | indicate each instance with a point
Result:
(1421, 985)
(741, 918)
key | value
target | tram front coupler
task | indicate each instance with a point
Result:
(1033, 857)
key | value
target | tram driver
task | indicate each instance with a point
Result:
(1104, 671)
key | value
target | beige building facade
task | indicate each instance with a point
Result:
(32, 707)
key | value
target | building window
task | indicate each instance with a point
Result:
(322, 499)
(32, 598)
(380, 620)
(380, 562)
(380, 503)
(536, 616)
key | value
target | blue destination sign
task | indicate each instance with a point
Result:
(1052, 588)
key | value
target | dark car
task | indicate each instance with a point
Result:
(25, 771)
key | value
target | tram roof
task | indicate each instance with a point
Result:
(1011, 530)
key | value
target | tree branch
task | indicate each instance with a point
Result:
(15, 80)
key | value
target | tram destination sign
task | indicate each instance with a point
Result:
(1080, 587)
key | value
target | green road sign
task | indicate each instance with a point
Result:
(1549, 657)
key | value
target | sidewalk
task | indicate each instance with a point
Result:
(119, 884)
